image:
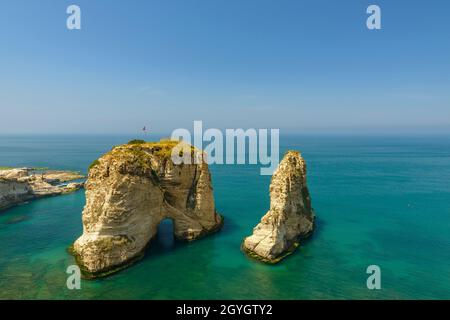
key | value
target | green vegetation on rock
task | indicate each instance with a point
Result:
(136, 141)
(142, 149)
(93, 164)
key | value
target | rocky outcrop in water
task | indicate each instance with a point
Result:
(24, 184)
(129, 191)
(290, 217)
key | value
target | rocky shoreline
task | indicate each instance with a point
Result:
(19, 185)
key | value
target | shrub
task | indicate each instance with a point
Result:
(136, 141)
(93, 164)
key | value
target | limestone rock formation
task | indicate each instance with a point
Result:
(19, 185)
(129, 191)
(290, 217)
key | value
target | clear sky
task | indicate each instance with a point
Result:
(301, 66)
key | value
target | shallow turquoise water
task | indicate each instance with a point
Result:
(379, 200)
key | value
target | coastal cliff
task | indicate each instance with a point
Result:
(129, 191)
(290, 217)
(24, 184)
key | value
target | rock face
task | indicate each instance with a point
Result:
(24, 184)
(290, 217)
(129, 191)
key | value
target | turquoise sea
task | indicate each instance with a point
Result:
(380, 200)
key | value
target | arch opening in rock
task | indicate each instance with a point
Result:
(165, 235)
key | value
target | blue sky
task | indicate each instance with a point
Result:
(301, 66)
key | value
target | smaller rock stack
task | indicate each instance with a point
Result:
(290, 217)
